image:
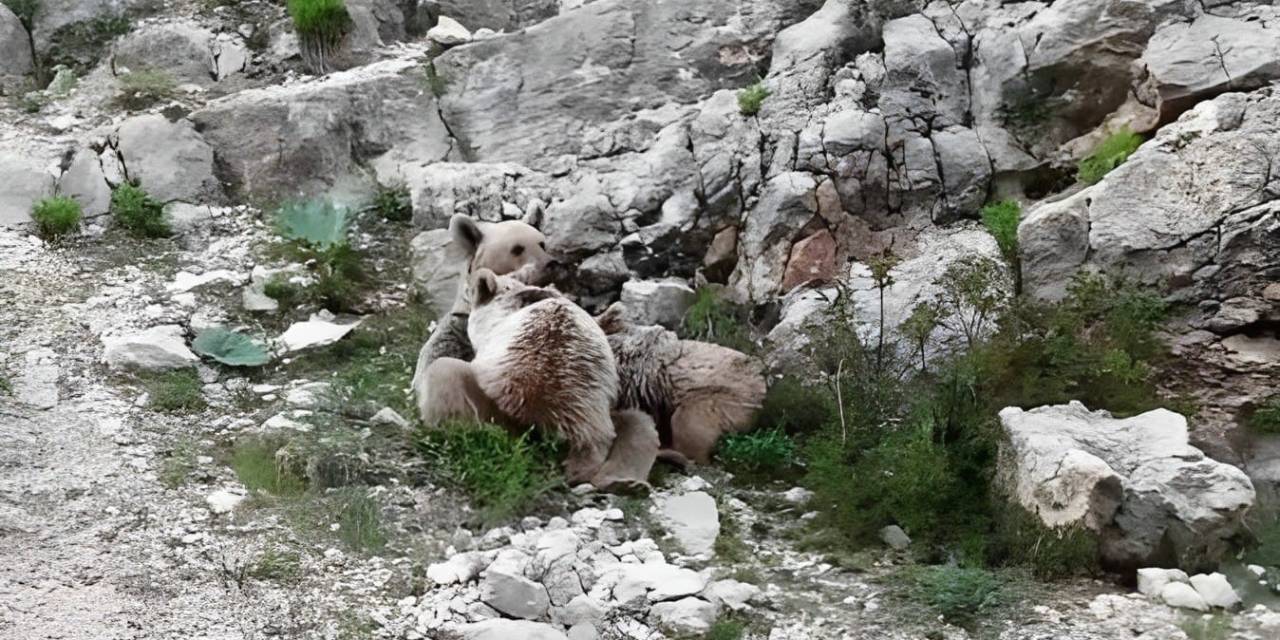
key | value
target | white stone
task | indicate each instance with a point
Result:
(655, 581)
(797, 495)
(1215, 590)
(459, 568)
(895, 537)
(660, 302)
(449, 32)
(388, 416)
(155, 349)
(1152, 580)
(693, 521)
(687, 616)
(583, 609)
(1183, 596)
(504, 589)
(498, 629)
(731, 594)
(224, 500)
(314, 333)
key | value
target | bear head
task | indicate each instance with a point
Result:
(509, 248)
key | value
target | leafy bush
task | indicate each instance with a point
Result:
(1109, 154)
(256, 466)
(139, 214)
(319, 232)
(751, 98)
(1266, 418)
(502, 474)
(757, 452)
(321, 27)
(1001, 219)
(56, 216)
(1022, 539)
(230, 348)
(393, 202)
(143, 88)
(713, 319)
(961, 595)
(795, 407)
(176, 391)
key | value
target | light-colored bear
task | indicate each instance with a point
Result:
(694, 391)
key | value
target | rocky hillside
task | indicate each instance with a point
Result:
(223, 240)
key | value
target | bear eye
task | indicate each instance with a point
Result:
(542, 245)
(517, 250)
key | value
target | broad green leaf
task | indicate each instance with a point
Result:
(230, 348)
(317, 222)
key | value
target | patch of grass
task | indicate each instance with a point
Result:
(711, 318)
(1051, 554)
(502, 474)
(1266, 548)
(1207, 627)
(1001, 220)
(751, 98)
(1266, 418)
(359, 519)
(321, 27)
(144, 88)
(961, 595)
(178, 464)
(256, 465)
(393, 202)
(138, 213)
(177, 391)
(277, 565)
(1109, 154)
(56, 216)
(757, 453)
(726, 629)
(729, 547)
(795, 407)
(282, 290)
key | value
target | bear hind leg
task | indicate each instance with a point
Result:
(631, 458)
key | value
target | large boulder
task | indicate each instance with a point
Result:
(184, 49)
(299, 139)
(1150, 496)
(168, 158)
(85, 181)
(15, 46)
(25, 182)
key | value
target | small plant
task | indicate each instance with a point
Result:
(726, 630)
(143, 88)
(501, 473)
(6, 387)
(436, 83)
(1108, 155)
(751, 98)
(393, 202)
(282, 290)
(318, 230)
(56, 216)
(1051, 554)
(1001, 219)
(230, 348)
(960, 594)
(359, 520)
(139, 214)
(757, 452)
(1207, 627)
(256, 466)
(1266, 418)
(321, 27)
(919, 327)
(273, 564)
(178, 465)
(175, 391)
(713, 319)
(318, 223)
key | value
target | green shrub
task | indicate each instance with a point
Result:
(393, 202)
(230, 348)
(56, 216)
(273, 564)
(177, 391)
(502, 474)
(960, 594)
(1109, 154)
(757, 452)
(321, 27)
(1266, 548)
(143, 88)
(1266, 418)
(319, 231)
(136, 212)
(1022, 539)
(1001, 220)
(726, 630)
(751, 98)
(713, 319)
(794, 407)
(258, 468)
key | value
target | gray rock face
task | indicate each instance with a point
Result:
(541, 93)
(25, 183)
(85, 181)
(436, 271)
(787, 204)
(15, 47)
(1149, 495)
(648, 302)
(1189, 212)
(484, 191)
(182, 48)
(169, 159)
(38, 385)
(504, 588)
(286, 141)
(498, 15)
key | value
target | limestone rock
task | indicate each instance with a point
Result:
(1151, 580)
(459, 568)
(170, 159)
(650, 302)
(25, 183)
(693, 521)
(1181, 595)
(731, 594)
(316, 332)
(506, 590)
(1135, 481)
(499, 629)
(181, 48)
(687, 616)
(156, 349)
(449, 32)
(786, 205)
(85, 181)
(224, 500)
(895, 537)
(1215, 590)
(15, 48)
(38, 385)
(1209, 55)
(654, 581)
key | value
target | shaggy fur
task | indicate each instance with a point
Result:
(546, 363)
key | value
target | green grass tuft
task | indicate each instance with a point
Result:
(283, 291)
(711, 318)
(321, 27)
(726, 630)
(502, 474)
(138, 213)
(277, 565)
(359, 520)
(1108, 155)
(258, 469)
(393, 202)
(961, 595)
(757, 453)
(177, 391)
(1207, 627)
(751, 98)
(1266, 418)
(1001, 219)
(56, 216)
(143, 88)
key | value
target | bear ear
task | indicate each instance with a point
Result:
(466, 233)
(612, 320)
(484, 285)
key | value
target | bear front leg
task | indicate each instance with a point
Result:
(585, 459)
(631, 458)
(695, 429)
(450, 392)
(449, 340)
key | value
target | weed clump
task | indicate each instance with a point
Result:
(56, 216)
(752, 97)
(143, 88)
(726, 630)
(1001, 220)
(318, 234)
(1266, 418)
(502, 474)
(757, 453)
(359, 519)
(1109, 154)
(321, 27)
(961, 595)
(138, 213)
(711, 318)
(277, 565)
(393, 202)
(176, 391)
(259, 469)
